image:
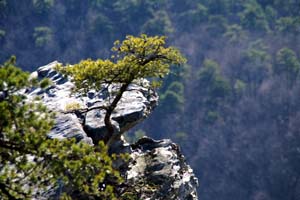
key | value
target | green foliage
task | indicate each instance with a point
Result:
(42, 36)
(255, 63)
(42, 6)
(211, 117)
(194, 16)
(3, 4)
(45, 83)
(235, 34)
(217, 25)
(253, 17)
(133, 59)
(181, 135)
(287, 63)
(159, 25)
(139, 134)
(239, 86)
(173, 98)
(286, 60)
(134, 11)
(136, 57)
(247, 48)
(288, 25)
(172, 102)
(31, 164)
(135, 136)
(209, 72)
(76, 25)
(271, 16)
(287, 7)
(97, 3)
(176, 87)
(217, 6)
(12, 79)
(101, 24)
(72, 106)
(2, 34)
(214, 88)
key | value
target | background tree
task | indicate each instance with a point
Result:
(42, 36)
(31, 164)
(287, 64)
(253, 17)
(134, 58)
(213, 90)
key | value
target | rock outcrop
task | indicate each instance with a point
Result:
(157, 169)
(135, 105)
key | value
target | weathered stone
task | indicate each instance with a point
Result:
(134, 106)
(68, 126)
(157, 170)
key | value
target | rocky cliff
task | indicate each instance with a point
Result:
(157, 169)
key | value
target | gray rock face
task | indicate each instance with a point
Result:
(135, 105)
(157, 169)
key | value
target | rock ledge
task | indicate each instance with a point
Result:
(157, 169)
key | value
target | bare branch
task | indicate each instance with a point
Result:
(154, 57)
(85, 110)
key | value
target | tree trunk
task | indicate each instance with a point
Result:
(110, 137)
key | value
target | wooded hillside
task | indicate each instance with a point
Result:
(234, 108)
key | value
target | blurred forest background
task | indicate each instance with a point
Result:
(234, 108)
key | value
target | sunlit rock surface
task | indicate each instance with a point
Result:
(136, 104)
(157, 169)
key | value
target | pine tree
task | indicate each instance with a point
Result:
(134, 58)
(32, 165)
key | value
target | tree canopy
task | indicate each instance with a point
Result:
(134, 58)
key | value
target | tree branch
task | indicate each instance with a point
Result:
(154, 57)
(5, 191)
(108, 140)
(13, 146)
(85, 110)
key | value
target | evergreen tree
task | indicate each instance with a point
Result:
(287, 64)
(136, 58)
(32, 165)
